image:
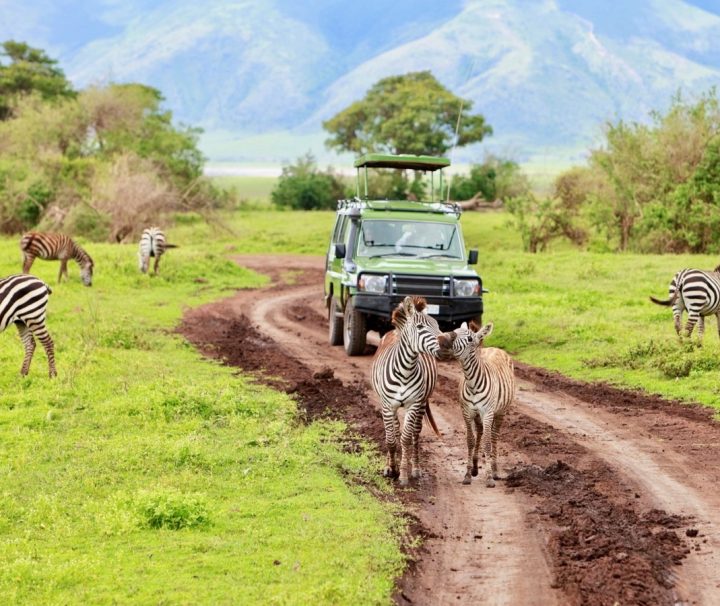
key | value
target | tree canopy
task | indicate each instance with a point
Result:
(25, 70)
(408, 114)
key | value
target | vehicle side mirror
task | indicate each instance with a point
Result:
(339, 251)
(473, 257)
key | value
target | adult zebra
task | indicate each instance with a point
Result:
(404, 372)
(152, 244)
(486, 393)
(23, 301)
(53, 247)
(696, 291)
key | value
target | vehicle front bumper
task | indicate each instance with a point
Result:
(452, 311)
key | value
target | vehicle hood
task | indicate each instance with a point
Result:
(400, 265)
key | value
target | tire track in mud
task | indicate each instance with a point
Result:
(524, 544)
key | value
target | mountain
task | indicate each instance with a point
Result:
(260, 75)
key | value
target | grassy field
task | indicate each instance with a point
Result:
(585, 314)
(147, 474)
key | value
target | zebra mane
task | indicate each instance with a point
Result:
(399, 315)
(717, 269)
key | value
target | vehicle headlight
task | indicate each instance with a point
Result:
(370, 283)
(466, 288)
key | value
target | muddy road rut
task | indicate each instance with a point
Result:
(610, 496)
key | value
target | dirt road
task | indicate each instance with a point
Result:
(611, 496)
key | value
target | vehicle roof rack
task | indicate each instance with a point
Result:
(401, 206)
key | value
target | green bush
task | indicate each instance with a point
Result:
(173, 511)
(495, 178)
(303, 187)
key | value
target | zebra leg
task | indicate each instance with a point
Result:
(29, 345)
(392, 427)
(470, 436)
(157, 262)
(479, 431)
(406, 442)
(44, 337)
(27, 262)
(63, 269)
(701, 330)
(416, 429)
(690, 324)
(488, 422)
(497, 424)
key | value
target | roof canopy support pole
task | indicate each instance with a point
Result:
(441, 186)
(432, 186)
(357, 182)
(366, 183)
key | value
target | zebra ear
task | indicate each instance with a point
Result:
(484, 332)
(464, 326)
(409, 306)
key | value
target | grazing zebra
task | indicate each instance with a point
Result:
(403, 374)
(52, 247)
(697, 291)
(152, 244)
(486, 393)
(23, 300)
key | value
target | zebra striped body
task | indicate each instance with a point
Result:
(486, 393)
(54, 247)
(404, 372)
(23, 301)
(152, 244)
(696, 291)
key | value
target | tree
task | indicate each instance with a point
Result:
(29, 70)
(409, 114)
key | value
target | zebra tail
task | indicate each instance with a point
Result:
(666, 303)
(49, 290)
(171, 245)
(428, 414)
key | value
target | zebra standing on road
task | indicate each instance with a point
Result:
(23, 301)
(697, 291)
(403, 374)
(152, 244)
(486, 393)
(53, 247)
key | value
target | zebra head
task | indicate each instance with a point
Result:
(418, 331)
(469, 339)
(86, 273)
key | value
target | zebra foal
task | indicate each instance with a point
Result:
(23, 301)
(53, 247)
(404, 372)
(152, 244)
(486, 393)
(696, 291)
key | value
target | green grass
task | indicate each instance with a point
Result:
(147, 474)
(251, 190)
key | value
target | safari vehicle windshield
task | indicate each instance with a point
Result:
(419, 239)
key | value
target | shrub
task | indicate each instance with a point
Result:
(495, 178)
(303, 187)
(173, 511)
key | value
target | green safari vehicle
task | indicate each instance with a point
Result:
(380, 251)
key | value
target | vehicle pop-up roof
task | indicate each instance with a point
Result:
(402, 162)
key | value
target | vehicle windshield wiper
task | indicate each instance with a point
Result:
(439, 255)
(394, 254)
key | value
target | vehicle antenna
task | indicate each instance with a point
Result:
(457, 129)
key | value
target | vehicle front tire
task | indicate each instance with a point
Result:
(335, 323)
(354, 330)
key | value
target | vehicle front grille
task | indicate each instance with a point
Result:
(426, 286)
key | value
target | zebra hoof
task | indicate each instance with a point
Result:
(403, 482)
(490, 483)
(466, 480)
(388, 472)
(415, 475)
(474, 471)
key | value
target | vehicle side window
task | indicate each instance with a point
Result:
(344, 229)
(336, 229)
